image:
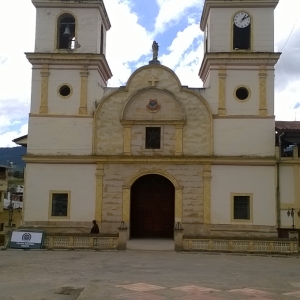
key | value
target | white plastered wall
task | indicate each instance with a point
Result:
(60, 136)
(79, 180)
(244, 137)
(256, 180)
(87, 33)
(220, 28)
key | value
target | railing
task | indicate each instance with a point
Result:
(251, 246)
(79, 242)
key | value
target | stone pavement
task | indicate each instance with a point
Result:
(146, 275)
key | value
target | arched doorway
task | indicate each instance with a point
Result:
(152, 207)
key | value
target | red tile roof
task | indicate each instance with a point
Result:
(287, 125)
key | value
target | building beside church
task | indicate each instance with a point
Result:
(153, 153)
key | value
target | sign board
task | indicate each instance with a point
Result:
(26, 239)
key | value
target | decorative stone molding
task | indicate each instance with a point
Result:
(127, 193)
(262, 92)
(222, 90)
(99, 192)
(127, 139)
(207, 194)
(44, 89)
(83, 92)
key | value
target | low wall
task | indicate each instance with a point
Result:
(239, 245)
(80, 242)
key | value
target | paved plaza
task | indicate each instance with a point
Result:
(146, 275)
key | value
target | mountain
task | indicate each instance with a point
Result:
(13, 155)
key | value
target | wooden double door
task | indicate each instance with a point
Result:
(152, 207)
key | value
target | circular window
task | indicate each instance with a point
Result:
(64, 90)
(242, 93)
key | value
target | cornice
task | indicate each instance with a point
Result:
(76, 4)
(237, 59)
(41, 115)
(124, 159)
(59, 58)
(146, 122)
(235, 4)
(243, 117)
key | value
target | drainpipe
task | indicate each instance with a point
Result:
(278, 183)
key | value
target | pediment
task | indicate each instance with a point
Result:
(153, 105)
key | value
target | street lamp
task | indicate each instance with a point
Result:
(292, 214)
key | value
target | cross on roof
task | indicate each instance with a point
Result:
(153, 80)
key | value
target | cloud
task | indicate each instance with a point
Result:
(171, 11)
(7, 137)
(127, 41)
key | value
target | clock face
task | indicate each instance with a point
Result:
(242, 19)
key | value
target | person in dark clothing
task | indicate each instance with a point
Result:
(95, 228)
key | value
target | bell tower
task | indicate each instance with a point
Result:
(239, 55)
(70, 48)
(69, 71)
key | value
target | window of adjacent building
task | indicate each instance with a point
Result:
(241, 207)
(1, 226)
(242, 31)
(153, 135)
(66, 32)
(59, 204)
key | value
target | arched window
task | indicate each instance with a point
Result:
(242, 31)
(66, 32)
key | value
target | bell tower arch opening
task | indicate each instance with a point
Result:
(152, 209)
(65, 32)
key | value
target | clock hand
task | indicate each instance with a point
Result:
(245, 17)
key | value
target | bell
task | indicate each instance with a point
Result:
(67, 31)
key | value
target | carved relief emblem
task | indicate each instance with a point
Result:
(153, 105)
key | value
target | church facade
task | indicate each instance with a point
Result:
(153, 153)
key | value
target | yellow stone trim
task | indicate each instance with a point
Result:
(83, 92)
(60, 116)
(243, 117)
(152, 122)
(262, 91)
(51, 192)
(71, 91)
(207, 194)
(127, 140)
(121, 159)
(179, 140)
(44, 89)
(222, 90)
(178, 205)
(99, 192)
(249, 221)
(126, 205)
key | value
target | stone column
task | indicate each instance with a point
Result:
(126, 204)
(83, 92)
(99, 192)
(44, 89)
(262, 92)
(206, 194)
(222, 91)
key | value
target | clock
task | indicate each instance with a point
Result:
(242, 19)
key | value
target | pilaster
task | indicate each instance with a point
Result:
(262, 92)
(178, 204)
(126, 204)
(44, 89)
(127, 139)
(99, 192)
(83, 92)
(179, 142)
(222, 91)
(207, 194)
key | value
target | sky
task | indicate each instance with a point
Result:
(174, 24)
